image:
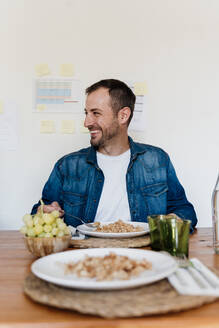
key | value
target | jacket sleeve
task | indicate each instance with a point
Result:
(52, 189)
(176, 198)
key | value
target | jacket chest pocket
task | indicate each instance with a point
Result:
(74, 205)
(155, 196)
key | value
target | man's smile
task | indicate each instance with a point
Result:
(94, 132)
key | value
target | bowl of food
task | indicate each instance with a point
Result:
(45, 233)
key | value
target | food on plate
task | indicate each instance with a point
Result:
(117, 227)
(44, 225)
(109, 267)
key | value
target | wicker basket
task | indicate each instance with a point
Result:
(41, 246)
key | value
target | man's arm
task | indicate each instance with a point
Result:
(177, 202)
(51, 193)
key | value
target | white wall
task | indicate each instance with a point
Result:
(171, 44)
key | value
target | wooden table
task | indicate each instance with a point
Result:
(17, 310)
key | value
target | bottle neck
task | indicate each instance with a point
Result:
(217, 184)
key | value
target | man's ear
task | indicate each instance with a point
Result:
(124, 114)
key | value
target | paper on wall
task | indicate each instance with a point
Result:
(41, 107)
(66, 70)
(59, 95)
(47, 126)
(42, 69)
(68, 127)
(138, 120)
(140, 88)
(9, 126)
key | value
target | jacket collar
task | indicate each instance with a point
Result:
(135, 149)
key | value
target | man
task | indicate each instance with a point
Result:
(115, 178)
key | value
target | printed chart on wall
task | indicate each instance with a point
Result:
(59, 95)
(138, 120)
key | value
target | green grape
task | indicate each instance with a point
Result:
(66, 231)
(55, 214)
(38, 220)
(59, 221)
(27, 217)
(23, 229)
(48, 234)
(29, 223)
(61, 226)
(54, 225)
(48, 218)
(54, 231)
(47, 228)
(38, 229)
(60, 234)
(30, 232)
(42, 234)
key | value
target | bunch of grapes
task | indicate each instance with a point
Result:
(44, 225)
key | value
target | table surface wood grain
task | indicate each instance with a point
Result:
(17, 310)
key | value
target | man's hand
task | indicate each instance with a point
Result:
(175, 216)
(54, 206)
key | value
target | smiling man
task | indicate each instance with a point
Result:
(116, 178)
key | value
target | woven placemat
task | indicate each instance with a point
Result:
(93, 242)
(157, 298)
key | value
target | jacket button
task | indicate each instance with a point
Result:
(95, 200)
(99, 180)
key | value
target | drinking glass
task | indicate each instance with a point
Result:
(169, 233)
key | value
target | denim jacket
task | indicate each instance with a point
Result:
(76, 183)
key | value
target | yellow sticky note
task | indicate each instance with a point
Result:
(47, 126)
(66, 70)
(1, 107)
(68, 127)
(41, 107)
(140, 88)
(82, 128)
(42, 69)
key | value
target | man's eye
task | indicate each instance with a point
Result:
(96, 113)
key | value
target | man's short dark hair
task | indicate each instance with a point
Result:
(121, 95)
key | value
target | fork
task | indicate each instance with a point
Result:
(90, 225)
(195, 271)
(189, 265)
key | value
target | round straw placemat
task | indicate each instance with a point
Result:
(93, 242)
(157, 298)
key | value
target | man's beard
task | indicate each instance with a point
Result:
(107, 135)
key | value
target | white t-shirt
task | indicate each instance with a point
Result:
(113, 203)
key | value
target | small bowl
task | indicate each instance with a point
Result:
(41, 246)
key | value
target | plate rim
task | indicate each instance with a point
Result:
(105, 285)
(115, 234)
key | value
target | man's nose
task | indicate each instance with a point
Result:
(88, 121)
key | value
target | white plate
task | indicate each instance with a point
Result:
(51, 268)
(91, 232)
